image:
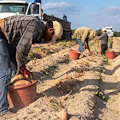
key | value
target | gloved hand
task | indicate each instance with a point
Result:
(25, 72)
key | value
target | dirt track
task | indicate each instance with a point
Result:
(82, 104)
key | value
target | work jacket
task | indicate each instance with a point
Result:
(84, 34)
(20, 32)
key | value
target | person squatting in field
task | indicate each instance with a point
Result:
(17, 34)
(83, 35)
(104, 41)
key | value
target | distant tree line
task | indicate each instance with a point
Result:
(117, 34)
(99, 32)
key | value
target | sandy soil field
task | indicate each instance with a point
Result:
(94, 83)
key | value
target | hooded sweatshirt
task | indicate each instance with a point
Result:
(84, 34)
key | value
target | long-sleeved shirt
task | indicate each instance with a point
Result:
(103, 38)
(84, 34)
(21, 31)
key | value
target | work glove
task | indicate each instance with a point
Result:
(25, 72)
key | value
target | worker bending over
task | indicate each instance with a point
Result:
(17, 32)
(104, 41)
(83, 35)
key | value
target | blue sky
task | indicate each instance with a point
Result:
(94, 14)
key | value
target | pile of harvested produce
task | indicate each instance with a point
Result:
(65, 86)
(20, 80)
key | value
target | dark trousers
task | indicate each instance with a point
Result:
(104, 47)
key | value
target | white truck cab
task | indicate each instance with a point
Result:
(110, 31)
(10, 8)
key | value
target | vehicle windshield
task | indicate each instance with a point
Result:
(109, 29)
(13, 8)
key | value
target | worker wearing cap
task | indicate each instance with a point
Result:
(58, 31)
(17, 34)
(104, 41)
(83, 35)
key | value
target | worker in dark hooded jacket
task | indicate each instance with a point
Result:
(83, 35)
(17, 34)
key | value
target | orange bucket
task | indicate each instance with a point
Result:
(74, 55)
(22, 96)
(110, 55)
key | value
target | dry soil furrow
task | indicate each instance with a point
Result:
(110, 86)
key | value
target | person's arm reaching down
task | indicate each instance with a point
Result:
(24, 46)
(88, 45)
(74, 36)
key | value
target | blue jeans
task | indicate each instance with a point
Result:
(5, 75)
(81, 49)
